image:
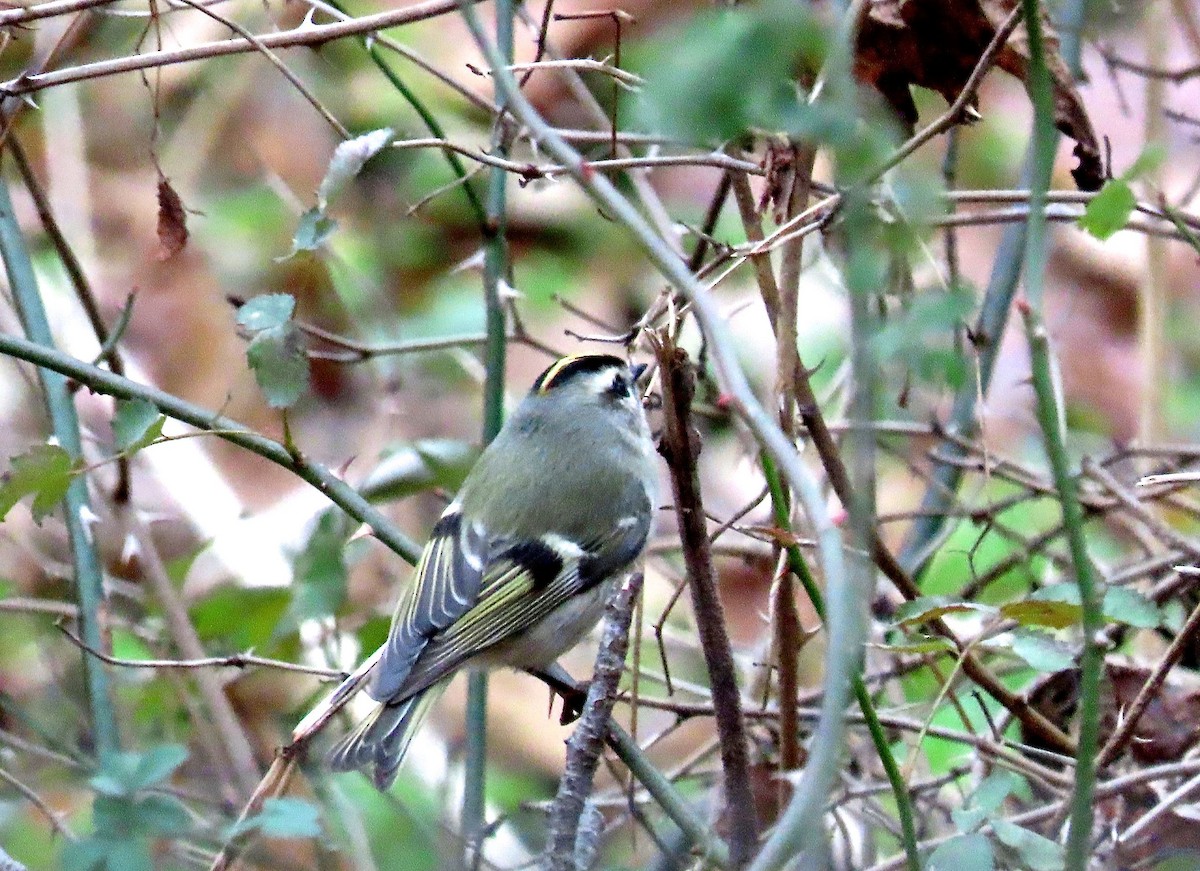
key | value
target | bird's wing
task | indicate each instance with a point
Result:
(522, 583)
(446, 585)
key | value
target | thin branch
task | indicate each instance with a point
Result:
(235, 660)
(680, 448)
(103, 381)
(587, 741)
(308, 34)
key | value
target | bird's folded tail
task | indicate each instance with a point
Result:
(382, 738)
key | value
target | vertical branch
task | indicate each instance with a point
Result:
(587, 741)
(89, 577)
(787, 618)
(919, 546)
(680, 447)
(1152, 301)
(1050, 419)
(495, 277)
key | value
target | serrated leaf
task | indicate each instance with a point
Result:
(971, 852)
(282, 818)
(925, 608)
(1126, 605)
(319, 571)
(313, 230)
(348, 160)
(1035, 852)
(1042, 652)
(280, 365)
(44, 471)
(136, 424)
(1109, 210)
(266, 312)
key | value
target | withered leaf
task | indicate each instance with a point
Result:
(937, 43)
(172, 221)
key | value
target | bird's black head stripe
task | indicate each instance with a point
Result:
(537, 558)
(567, 368)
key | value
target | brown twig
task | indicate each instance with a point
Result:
(587, 741)
(235, 660)
(680, 447)
(1130, 717)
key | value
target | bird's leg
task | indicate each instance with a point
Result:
(572, 692)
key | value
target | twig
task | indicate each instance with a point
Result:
(587, 741)
(38, 802)
(681, 448)
(309, 34)
(1130, 716)
(236, 660)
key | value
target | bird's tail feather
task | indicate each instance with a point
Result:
(382, 738)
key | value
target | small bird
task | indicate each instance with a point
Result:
(520, 564)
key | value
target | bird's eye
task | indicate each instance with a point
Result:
(619, 389)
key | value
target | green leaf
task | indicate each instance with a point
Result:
(1034, 852)
(1152, 157)
(44, 471)
(922, 644)
(1126, 605)
(419, 466)
(994, 789)
(157, 764)
(86, 854)
(282, 818)
(266, 312)
(136, 424)
(280, 364)
(1109, 210)
(732, 69)
(925, 608)
(319, 583)
(348, 160)
(124, 773)
(971, 852)
(312, 231)
(1041, 652)
(1056, 606)
(128, 854)
(162, 815)
(239, 618)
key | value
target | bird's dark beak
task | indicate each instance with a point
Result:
(636, 370)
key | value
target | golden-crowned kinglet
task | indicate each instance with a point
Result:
(520, 564)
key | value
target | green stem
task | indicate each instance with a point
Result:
(495, 275)
(921, 542)
(1078, 852)
(89, 576)
(710, 845)
(102, 381)
(1091, 661)
(799, 567)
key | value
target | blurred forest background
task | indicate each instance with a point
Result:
(313, 220)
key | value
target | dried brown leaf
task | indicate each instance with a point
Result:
(172, 221)
(937, 43)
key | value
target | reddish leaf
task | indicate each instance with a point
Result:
(172, 221)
